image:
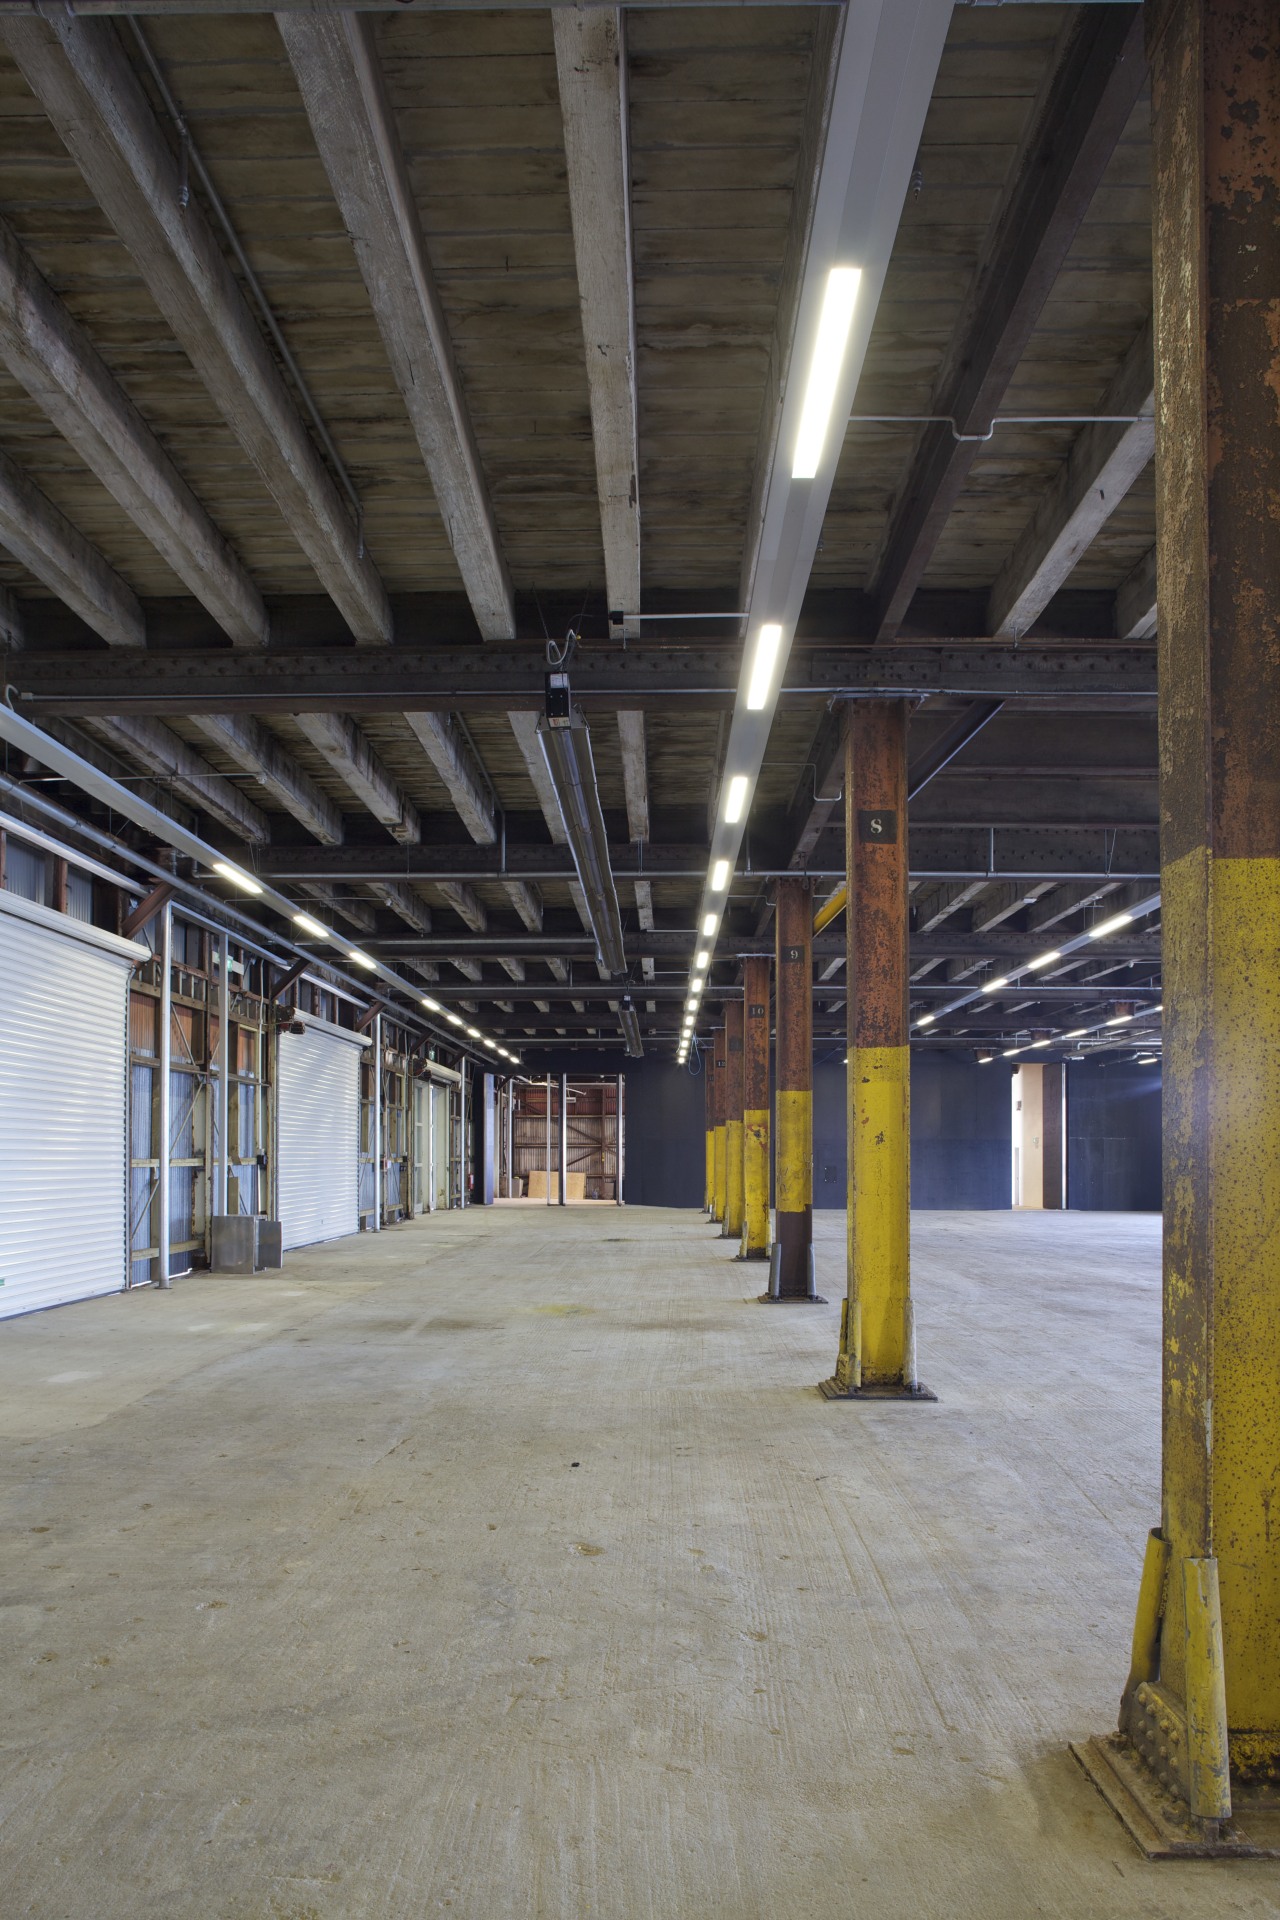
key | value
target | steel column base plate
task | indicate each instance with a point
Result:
(792, 1299)
(830, 1391)
(1154, 1817)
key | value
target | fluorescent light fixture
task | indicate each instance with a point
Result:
(1042, 1043)
(310, 926)
(702, 959)
(824, 369)
(1043, 960)
(985, 1059)
(1113, 925)
(994, 986)
(736, 799)
(760, 685)
(1158, 1007)
(1009, 1052)
(473, 1033)
(1120, 1020)
(697, 983)
(709, 924)
(719, 876)
(1148, 1059)
(432, 1006)
(453, 1019)
(245, 881)
(1076, 1033)
(361, 959)
(926, 1019)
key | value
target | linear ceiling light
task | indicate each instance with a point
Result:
(310, 926)
(1076, 1033)
(994, 986)
(1043, 960)
(1042, 1043)
(765, 659)
(709, 924)
(926, 1019)
(432, 1006)
(362, 959)
(1120, 1020)
(1113, 925)
(703, 958)
(453, 1019)
(719, 876)
(1009, 1052)
(834, 323)
(735, 799)
(245, 881)
(567, 752)
(473, 1033)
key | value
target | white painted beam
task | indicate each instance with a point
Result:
(13, 628)
(79, 72)
(591, 66)
(39, 535)
(335, 63)
(156, 747)
(635, 772)
(402, 900)
(259, 752)
(1099, 471)
(347, 751)
(51, 355)
(447, 751)
(1136, 601)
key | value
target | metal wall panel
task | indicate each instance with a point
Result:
(64, 1155)
(318, 1133)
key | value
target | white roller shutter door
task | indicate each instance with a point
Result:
(64, 1153)
(318, 1132)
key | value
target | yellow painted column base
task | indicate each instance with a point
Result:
(718, 1191)
(733, 1179)
(755, 1187)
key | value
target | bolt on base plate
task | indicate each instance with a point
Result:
(1155, 1818)
(830, 1391)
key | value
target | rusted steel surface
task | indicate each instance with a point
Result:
(793, 1103)
(755, 1054)
(876, 783)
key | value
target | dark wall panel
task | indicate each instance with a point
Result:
(1113, 1137)
(664, 1144)
(961, 1131)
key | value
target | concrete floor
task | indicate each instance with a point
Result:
(509, 1565)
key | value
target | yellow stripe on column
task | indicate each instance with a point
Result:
(717, 1211)
(709, 1198)
(880, 1207)
(755, 1184)
(733, 1180)
(794, 1173)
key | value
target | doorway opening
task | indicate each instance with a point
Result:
(566, 1128)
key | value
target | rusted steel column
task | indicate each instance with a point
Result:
(733, 1120)
(1202, 1711)
(717, 1048)
(708, 1104)
(755, 1109)
(877, 1331)
(791, 1276)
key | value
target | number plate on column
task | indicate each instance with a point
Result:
(877, 823)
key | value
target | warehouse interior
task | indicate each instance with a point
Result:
(639, 1002)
